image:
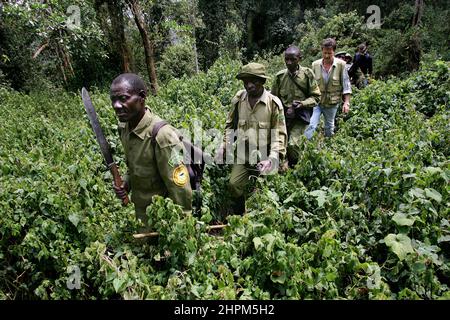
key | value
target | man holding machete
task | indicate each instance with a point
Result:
(152, 167)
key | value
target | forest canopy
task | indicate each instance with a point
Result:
(47, 44)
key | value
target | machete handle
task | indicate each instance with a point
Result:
(118, 180)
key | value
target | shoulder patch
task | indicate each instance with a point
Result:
(180, 175)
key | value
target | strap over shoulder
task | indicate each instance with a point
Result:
(156, 129)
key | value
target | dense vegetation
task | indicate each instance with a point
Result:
(44, 45)
(364, 215)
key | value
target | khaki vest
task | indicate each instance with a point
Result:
(331, 92)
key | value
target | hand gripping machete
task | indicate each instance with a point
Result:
(104, 146)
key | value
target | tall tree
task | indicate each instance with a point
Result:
(148, 45)
(415, 47)
(115, 9)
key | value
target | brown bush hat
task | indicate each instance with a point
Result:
(253, 69)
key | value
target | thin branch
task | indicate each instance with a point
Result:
(39, 50)
(155, 234)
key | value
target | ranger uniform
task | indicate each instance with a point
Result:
(154, 168)
(261, 131)
(302, 88)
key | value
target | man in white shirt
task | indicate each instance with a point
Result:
(334, 83)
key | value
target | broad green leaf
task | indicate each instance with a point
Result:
(258, 243)
(191, 258)
(400, 244)
(118, 283)
(433, 170)
(270, 240)
(281, 278)
(320, 196)
(444, 239)
(402, 219)
(433, 194)
(83, 183)
(419, 267)
(417, 192)
(331, 276)
(74, 218)
(194, 291)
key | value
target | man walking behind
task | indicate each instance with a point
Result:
(257, 122)
(334, 84)
(299, 93)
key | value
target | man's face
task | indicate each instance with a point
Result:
(291, 59)
(127, 104)
(254, 86)
(327, 54)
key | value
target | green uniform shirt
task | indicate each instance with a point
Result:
(152, 167)
(260, 128)
(285, 88)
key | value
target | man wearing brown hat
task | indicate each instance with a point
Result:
(255, 133)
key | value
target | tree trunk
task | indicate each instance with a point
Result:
(148, 45)
(414, 45)
(418, 12)
(192, 13)
(118, 33)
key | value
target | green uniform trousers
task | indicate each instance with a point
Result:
(295, 140)
(142, 215)
(240, 175)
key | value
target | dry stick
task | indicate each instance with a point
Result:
(155, 234)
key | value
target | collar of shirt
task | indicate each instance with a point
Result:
(263, 98)
(142, 125)
(333, 66)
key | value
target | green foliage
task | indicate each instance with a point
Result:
(364, 215)
(43, 51)
(348, 29)
(177, 61)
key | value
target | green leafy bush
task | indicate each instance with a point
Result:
(363, 215)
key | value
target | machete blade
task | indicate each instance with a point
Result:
(92, 115)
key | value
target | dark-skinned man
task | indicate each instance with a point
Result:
(354, 72)
(154, 167)
(258, 119)
(299, 93)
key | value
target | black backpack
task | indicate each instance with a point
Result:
(193, 153)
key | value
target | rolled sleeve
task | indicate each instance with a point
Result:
(347, 87)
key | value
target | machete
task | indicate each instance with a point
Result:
(104, 146)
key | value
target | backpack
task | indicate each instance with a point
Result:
(195, 169)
